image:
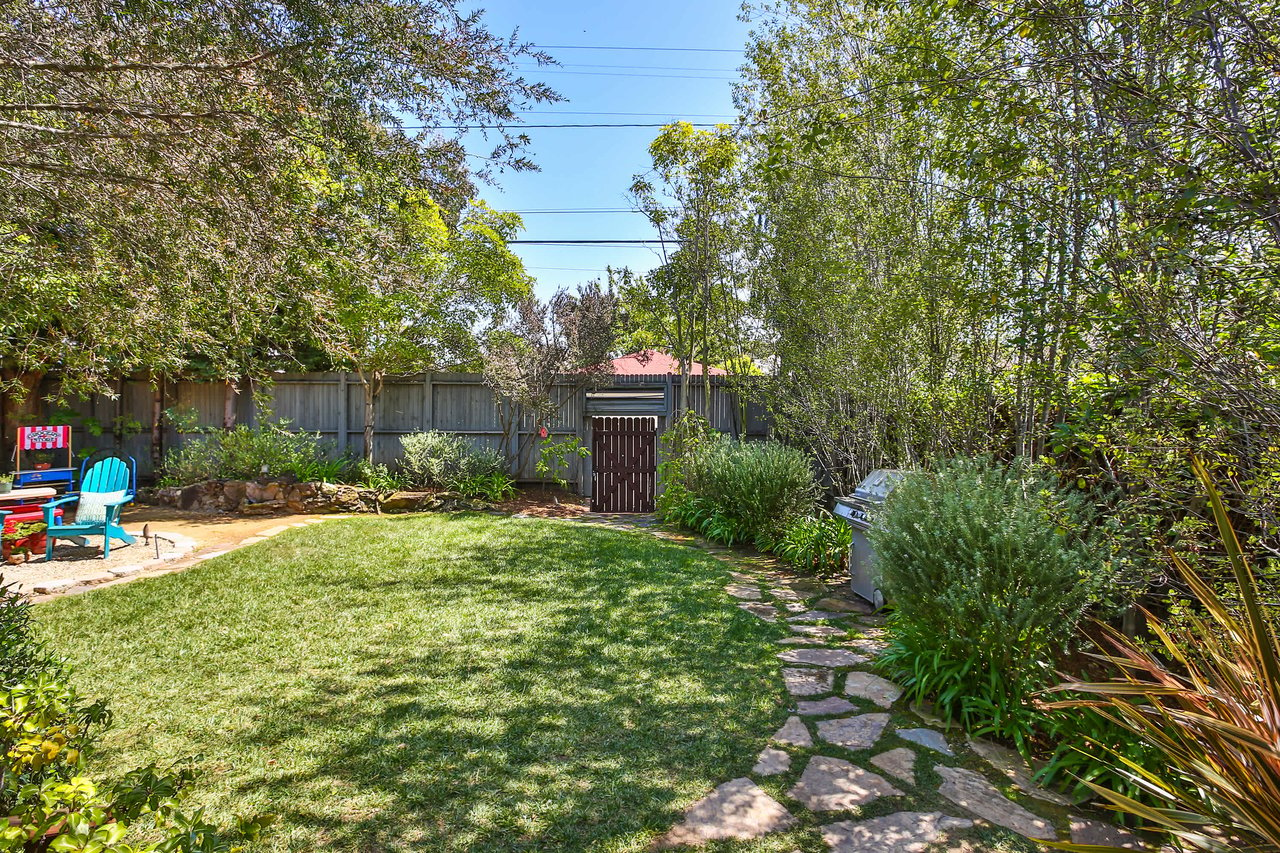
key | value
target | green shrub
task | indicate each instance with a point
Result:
(244, 452)
(818, 543)
(52, 800)
(736, 492)
(448, 461)
(990, 571)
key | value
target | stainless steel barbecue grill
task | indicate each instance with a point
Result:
(858, 510)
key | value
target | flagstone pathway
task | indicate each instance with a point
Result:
(852, 770)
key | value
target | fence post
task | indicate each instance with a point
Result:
(342, 411)
(428, 401)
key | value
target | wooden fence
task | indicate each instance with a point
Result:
(332, 404)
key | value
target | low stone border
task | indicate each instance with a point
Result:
(182, 546)
(267, 497)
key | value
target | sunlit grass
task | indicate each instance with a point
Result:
(436, 683)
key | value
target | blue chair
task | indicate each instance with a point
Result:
(104, 490)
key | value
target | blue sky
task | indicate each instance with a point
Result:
(591, 168)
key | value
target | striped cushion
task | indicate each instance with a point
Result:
(92, 508)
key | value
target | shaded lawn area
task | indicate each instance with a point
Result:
(436, 682)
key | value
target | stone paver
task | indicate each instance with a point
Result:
(819, 630)
(738, 810)
(795, 606)
(1088, 831)
(788, 595)
(823, 657)
(746, 593)
(767, 612)
(807, 682)
(936, 741)
(833, 784)
(860, 732)
(830, 705)
(815, 616)
(873, 688)
(843, 605)
(868, 646)
(1012, 765)
(903, 832)
(899, 763)
(793, 733)
(973, 792)
(771, 762)
(741, 578)
(799, 641)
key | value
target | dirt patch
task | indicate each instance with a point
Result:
(549, 503)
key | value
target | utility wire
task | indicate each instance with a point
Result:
(623, 47)
(500, 126)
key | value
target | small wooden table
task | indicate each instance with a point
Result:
(14, 496)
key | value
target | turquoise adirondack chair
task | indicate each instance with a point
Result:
(104, 490)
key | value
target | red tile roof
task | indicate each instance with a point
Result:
(652, 361)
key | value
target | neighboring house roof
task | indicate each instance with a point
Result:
(651, 361)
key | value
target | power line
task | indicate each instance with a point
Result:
(622, 47)
(542, 71)
(597, 113)
(587, 242)
(497, 126)
(534, 66)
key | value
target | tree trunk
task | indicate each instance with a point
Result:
(229, 404)
(372, 388)
(157, 424)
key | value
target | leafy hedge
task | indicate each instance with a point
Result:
(246, 452)
(990, 570)
(731, 491)
(449, 461)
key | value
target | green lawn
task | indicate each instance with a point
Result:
(436, 682)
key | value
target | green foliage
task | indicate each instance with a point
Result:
(493, 486)
(990, 570)
(1205, 704)
(448, 461)
(47, 731)
(553, 458)
(818, 543)
(374, 475)
(730, 491)
(246, 453)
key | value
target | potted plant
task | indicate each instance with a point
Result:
(6, 483)
(43, 460)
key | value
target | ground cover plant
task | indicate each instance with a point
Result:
(990, 570)
(438, 683)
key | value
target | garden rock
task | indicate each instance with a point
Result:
(818, 630)
(771, 762)
(843, 605)
(903, 832)
(1087, 831)
(816, 616)
(873, 688)
(833, 784)
(823, 657)
(793, 733)
(860, 732)
(899, 763)
(830, 705)
(767, 612)
(807, 682)
(927, 738)
(738, 810)
(1012, 765)
(973, 792)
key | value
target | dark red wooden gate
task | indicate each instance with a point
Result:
(623, 464)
